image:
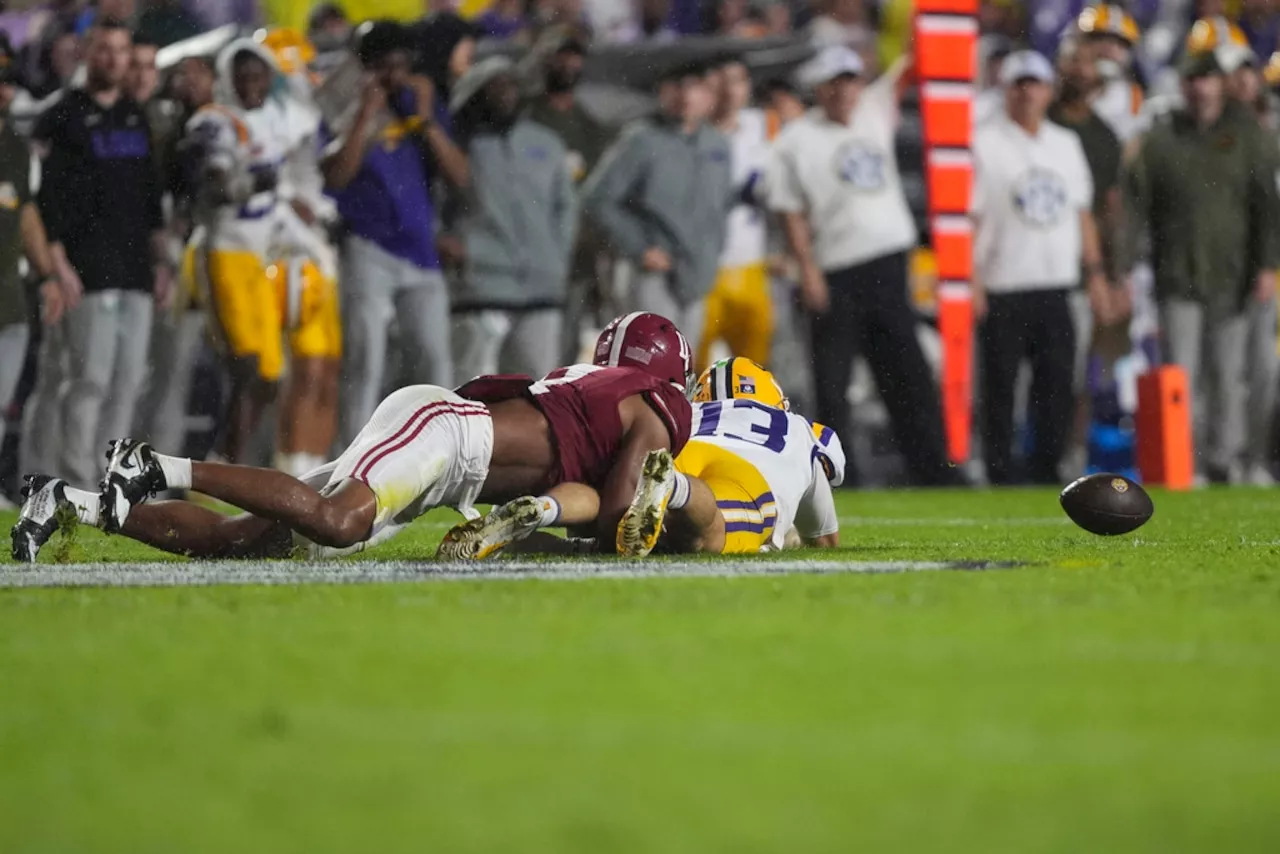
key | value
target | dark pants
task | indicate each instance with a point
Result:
(1035, 325)
(869, 314)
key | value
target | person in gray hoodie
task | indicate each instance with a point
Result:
(662, 195)
(514, 227)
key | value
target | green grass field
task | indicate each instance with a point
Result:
(1117, 695)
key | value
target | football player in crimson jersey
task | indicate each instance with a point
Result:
(752, 476)
(492, 440)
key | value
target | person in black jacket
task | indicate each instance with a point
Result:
(100, 199)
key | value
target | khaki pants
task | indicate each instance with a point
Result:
(1231, 369)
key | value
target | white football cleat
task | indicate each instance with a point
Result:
(45, 500)
(477, 539)
(641, 525)
(133, 476)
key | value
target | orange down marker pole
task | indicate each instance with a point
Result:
(946, 59)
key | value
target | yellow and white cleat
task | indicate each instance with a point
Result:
(641, 525)
(477, 539)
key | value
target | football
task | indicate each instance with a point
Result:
(1107, 504)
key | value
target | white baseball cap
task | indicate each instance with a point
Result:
(830, 63)
(1025, 65)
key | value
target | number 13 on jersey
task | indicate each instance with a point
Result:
(743, 421)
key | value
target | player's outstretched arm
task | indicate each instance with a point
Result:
(643, 432)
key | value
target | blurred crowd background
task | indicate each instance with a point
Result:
(231, 226)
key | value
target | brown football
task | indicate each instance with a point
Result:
(1107, 504)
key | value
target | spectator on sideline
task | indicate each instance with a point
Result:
(559, 110)
(835, 181)
(989, 100)
(789, 359)
(101, 201)
(21, 233)
(662, 196)
(143, 77)
(56, 63)
(381, 180)
(740, 305)
(1033, 228)
(179, 330)
(513, 233)
(1202, 184)
(1072, 109)
(329, 31)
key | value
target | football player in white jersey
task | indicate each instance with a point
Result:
(751, 472)
(246, 140)
(753, 477)
(740, 307)
(304, 267)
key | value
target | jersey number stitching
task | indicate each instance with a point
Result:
(774, 433)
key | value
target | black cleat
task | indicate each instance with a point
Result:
(133, 476)
(44, 501)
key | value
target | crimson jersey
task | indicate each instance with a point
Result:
(580, 403)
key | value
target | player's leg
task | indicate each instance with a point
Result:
(337, 518)
(92, 343)
(715, 322)
(307, 424)
(179, 527)
(1052, 347)
(184, 528)
(566, 505)
(367, 312)
(477, 338)
(698, 526)
(661, 490)
(750, 332)
(533, 345)
(308, 418)
(135, 314)
(1001, 346)
(422, 311)
(246, 314)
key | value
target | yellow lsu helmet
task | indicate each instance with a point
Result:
(1271, 73)
(1209, 34)
(1108, 19)
(292, 50)
(739, 379)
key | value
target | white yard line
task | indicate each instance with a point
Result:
(204, 573)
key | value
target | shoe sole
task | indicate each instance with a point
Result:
(478, 539)
(641, 525)
(28, 537)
